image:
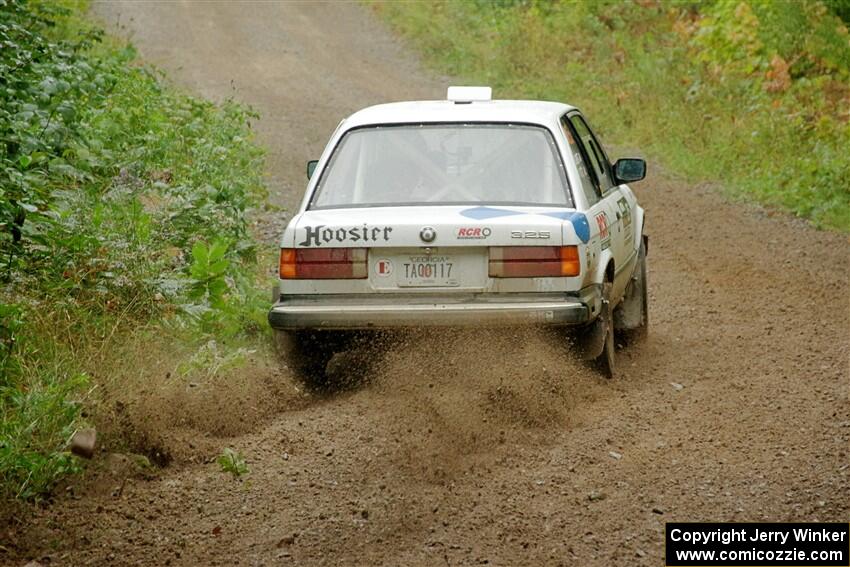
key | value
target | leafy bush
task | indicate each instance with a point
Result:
(123, 204)
(751, 93)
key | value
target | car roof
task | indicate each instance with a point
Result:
(425, 111)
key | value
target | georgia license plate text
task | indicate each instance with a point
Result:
(424, 270)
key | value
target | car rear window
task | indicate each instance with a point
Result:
(443, 164)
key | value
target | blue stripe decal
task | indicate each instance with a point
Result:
(482, 213)
(578, 220)
(580, 225)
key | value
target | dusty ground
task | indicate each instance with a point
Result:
(480, 448)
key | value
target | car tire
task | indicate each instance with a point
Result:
(605, 362)
(306, 354)
(632, 317)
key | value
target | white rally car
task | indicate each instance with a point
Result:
(468, 211)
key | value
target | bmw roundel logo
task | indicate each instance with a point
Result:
(427, 234)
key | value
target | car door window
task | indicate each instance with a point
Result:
(588, 180)
(595, 153)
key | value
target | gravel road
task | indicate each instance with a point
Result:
(488, 448)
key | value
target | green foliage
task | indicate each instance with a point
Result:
(208, 269)
(11, 322)
(232, 462)
(109, 179)
(111, 187)
(840, 8)
(752, 93)
(35, 426)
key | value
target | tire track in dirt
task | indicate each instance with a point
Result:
(466, 448)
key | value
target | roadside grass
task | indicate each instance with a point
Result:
(754, 95)
(125, 213)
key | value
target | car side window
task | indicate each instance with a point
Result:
(594, 151)
(588, 181)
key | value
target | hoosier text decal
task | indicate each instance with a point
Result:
(321, 234)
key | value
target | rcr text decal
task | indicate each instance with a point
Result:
(321, 234)
(473, 233)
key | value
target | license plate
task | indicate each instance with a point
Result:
(428, 271)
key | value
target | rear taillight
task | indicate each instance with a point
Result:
(534, 261)
(322, 263)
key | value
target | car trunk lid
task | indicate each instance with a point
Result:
(420, 248)
(442, 226)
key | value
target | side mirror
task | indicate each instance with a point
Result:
(627, 170)
(311, 167)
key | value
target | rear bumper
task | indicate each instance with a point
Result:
(387, 312)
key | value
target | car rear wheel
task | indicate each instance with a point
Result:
(632, 316)
(306, 354)
(605, 361)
